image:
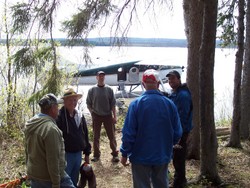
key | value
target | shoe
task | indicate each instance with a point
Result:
(95, 159)
(115, 159)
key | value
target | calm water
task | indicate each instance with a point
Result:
(223, 72)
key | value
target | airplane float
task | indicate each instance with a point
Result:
(125, 74)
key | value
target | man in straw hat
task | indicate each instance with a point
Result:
(101, 104)
(75, 133)
(151, 128)
(44, 147)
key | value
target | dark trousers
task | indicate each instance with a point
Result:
(107, 121)
(146, 175)
(179, 162)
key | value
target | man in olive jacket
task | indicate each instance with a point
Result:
(44, 147)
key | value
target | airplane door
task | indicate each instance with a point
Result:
(133, 75)
(121, 74)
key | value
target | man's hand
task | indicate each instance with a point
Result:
(177, 146)
(124, 161)
(86, 159)
(114, 120)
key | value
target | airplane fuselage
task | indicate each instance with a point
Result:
(129, 73)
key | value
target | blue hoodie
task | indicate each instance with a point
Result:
(183, 101)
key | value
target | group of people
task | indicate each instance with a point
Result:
(155, 131)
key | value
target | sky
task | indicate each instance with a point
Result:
(161, 23)
(165, 24)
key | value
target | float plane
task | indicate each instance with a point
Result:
(125, 74)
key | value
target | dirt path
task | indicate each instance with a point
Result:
(109, 174)
(232, 166)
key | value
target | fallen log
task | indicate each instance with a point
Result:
(222, 131)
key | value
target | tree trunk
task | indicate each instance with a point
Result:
(245, 110)
(193, 13)
(235, 127)
(10, 92)
(208, 168)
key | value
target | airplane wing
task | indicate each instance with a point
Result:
(158, 62)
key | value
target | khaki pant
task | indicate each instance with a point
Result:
(107, 121)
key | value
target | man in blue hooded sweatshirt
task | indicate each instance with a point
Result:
(181, 96)
(151, 128)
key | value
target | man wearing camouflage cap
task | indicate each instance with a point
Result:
(44, 147)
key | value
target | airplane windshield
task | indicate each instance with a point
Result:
(145, 67)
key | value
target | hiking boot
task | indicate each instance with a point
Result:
(95, 159)
(115, 159)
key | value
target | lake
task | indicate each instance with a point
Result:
(223, 71)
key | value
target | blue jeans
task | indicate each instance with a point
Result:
(146, 175)
(65, 183)
(74, 161)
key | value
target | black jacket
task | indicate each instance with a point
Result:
(75, 138)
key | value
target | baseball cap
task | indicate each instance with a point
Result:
(48, 100)
(174, 73)
(100, 72)
(150, 75)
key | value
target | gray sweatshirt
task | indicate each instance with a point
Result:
(101, 100)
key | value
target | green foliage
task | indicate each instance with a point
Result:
(28, 59)
(24, 61)
(88, 18)
(45, 11)
(21, 17)
(223, 122)
(226, 21)
(44, 53)
(19, 112)
(24, 15)
(36, 61)
(52, 84)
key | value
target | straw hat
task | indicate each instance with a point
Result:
(70, 92)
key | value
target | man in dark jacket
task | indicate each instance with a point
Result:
(181, 96)
(75, 134)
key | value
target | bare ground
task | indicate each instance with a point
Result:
(233, 168)
(233, 165)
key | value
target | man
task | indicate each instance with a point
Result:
(44, 147)
(101, 104)
(181, 96)
(151, 128)
(75, 133)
